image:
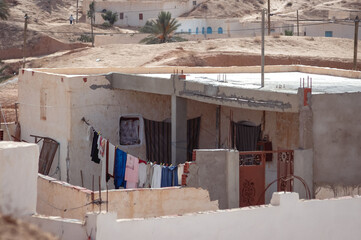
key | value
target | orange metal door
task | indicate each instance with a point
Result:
(252, 181)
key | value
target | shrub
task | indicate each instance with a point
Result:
(147, 28)
(85, 38)
(288, 32)
(110, 17)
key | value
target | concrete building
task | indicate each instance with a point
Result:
(339, 29)
(286, 217)
(136, 13)
(322, 125)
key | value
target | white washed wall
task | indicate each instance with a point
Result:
(286, 218)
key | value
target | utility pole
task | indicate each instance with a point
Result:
(77, 9)
(269, 17)
(298, 26)
(355, 44)
(92, 21)
(262, 49)
(24, 44)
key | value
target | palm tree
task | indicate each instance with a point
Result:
(4, 10)
(163, 30)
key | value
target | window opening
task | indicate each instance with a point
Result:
(129, 129)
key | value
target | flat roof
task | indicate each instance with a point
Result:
(286, 82)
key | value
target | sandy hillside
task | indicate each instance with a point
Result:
(174, 54)
(283, 50)
(46, 18)
(250, 9)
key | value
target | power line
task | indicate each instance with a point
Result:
(192, 32)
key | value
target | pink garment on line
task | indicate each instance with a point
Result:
(131, 171)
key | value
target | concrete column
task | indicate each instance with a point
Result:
(217, 171)
(179, 130)
(305, 122)
(303, 168)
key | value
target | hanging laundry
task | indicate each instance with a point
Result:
(166, 177)
(103, 159)
(132, 171)
(94, 150)
(150, 171)
(157, 176)
(102, 144)
(142, 174)
(180, 172)
(111, 159)
(119, 168)
(89, 133)
(173, 175)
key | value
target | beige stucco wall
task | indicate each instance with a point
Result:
(102, 107)
(56, 198)
(18, 171)
(145, 203)
(57, 124)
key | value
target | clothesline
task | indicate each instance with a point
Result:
(99, 133)
(127, 170)
(117, 146)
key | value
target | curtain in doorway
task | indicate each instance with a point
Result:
(245, 135)
(158, 139)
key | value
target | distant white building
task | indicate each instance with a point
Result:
(228, 27)
(331, 29)
(136, 13)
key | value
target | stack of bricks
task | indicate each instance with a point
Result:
(186, 169)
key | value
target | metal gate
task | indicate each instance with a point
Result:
(251, 178)
(252, 175)
(285, 170)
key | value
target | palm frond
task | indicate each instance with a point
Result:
(162, 29)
